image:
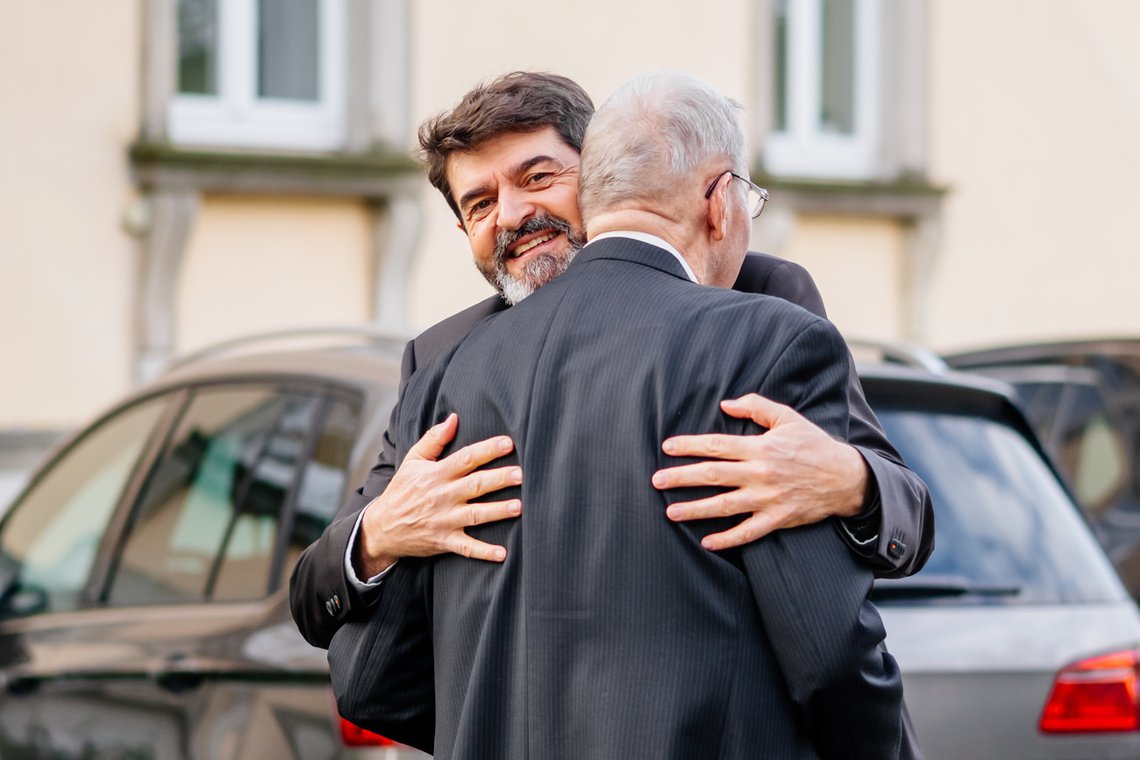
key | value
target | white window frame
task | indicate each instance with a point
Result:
(236, 117)
(804, 149)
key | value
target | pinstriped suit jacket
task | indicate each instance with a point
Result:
(609, 632)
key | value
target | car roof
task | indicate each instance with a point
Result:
(362, 358)
(1048, 351)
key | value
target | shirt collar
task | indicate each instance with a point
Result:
(645, 237)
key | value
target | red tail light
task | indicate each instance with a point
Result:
(354, 736)
(1097, 694)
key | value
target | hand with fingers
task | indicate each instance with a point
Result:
(427, 505)
(793, 474)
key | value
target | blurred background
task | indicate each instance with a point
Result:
(954, 173)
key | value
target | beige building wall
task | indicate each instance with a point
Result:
(857, 264)
(259, 264)
(1035, 124)
(1034, 109)
(69, 85)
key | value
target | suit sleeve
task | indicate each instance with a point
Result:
(904, 521)
(320, 595)
(812, 591)
(382, 666)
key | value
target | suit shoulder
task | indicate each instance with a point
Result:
(773, 276)
(445, 334)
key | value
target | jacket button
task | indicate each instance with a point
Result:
(332, 605)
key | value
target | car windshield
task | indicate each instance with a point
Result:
(1007, 532)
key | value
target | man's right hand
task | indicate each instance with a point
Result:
(426, 506)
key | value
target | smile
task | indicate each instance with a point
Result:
(533, 243)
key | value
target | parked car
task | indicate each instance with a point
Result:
(1017, 639)
(144, 569)
(1083, 398)
(143, 607)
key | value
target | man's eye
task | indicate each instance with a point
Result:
(538, 179)
(480, 209)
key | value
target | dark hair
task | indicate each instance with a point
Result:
(521, 101)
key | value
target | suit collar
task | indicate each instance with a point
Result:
(618, 248)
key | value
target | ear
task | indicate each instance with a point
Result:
(717, 209)
(459, 226)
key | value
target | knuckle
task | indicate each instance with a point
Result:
(714, 474)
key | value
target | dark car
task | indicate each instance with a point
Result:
(1017, 639)
(1083, 398)
(143, 607)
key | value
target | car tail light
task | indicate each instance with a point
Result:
(1097, 694)
(354, 736)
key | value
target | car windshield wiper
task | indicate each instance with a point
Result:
(939, 585)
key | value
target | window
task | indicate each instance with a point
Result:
(51, 536)
(207, 523)
(260, 73)
(826, 93)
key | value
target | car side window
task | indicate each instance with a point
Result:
(49, 540)
(207, 523)
(323, 482)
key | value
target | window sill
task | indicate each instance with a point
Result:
(901, 197)
(377, 174)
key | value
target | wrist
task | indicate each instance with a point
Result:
(370, 556)
(857, 483)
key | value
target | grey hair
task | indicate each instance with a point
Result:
(650, 134)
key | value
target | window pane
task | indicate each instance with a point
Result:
(198, 47)
(288, 49)
(837, 75)
(780, 65)
(206, 526)
(52, 534)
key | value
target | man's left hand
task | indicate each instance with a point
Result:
(794, 474)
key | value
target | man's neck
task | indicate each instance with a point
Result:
(649, 223)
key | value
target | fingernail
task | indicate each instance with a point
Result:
(708, 544)
(515, 507)
(500, 554)
(671, 513)
(516, 474)
(505, 444)
(659, 480)
(669, 446)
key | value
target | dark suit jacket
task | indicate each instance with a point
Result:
(610, 632)
(322, 599)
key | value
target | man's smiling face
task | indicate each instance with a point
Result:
(518, 200)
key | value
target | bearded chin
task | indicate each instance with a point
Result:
(537, 272)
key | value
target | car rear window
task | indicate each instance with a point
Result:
(1006, 530)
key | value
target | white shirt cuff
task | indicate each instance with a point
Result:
(851, 536)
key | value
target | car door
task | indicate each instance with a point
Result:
(179, 644)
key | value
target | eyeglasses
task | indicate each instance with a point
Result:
(757, 196)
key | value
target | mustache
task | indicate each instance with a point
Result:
(506, 238)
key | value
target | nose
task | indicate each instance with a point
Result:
(515, 207)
